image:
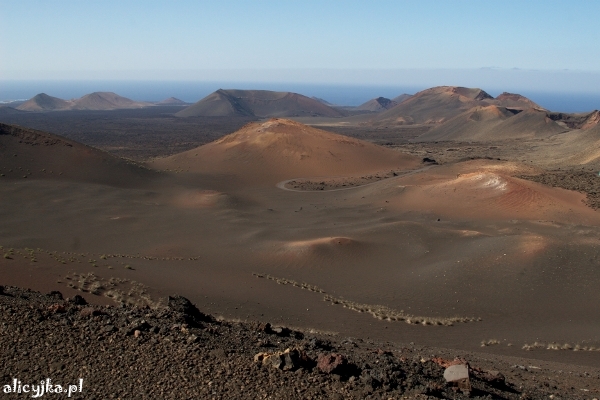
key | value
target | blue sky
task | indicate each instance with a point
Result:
(300, 41)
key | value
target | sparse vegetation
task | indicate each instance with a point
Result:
(283, 281)
(490, 342)
(378, 311)
(387, 314)
(558, 346)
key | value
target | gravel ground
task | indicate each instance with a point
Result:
(178, 352)
(587, 182)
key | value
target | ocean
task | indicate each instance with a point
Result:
(192, 91)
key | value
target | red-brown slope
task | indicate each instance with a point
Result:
(282, 149)
(32, 154)
(439, 104)
(514, 100)
(435, 105)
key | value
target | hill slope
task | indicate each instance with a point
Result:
(513, 100)
(172, 101)
(282, 149)
(105, 101)
(92, 101)
(493, 123)
(32, 154)
(43, 102)
(402, 97)
(377, 105)
(258, 103)
(470, 125)
(439, 104)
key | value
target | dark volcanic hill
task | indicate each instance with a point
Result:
(43, 102)
(92, 101)
(258, 103)
(32, 154)
(172, 101)
(439, 104)
(377, 105)
(8, 110)
(105, 101)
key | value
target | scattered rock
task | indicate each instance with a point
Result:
(181, 361)
(56, 295)
(333, 363)
(57, 308)
(89, 312)
(78, 300)
(457, 372)
(459, 375)
(192, 339)
(189, 311)
(289, 359)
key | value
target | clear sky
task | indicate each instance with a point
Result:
(298, 41)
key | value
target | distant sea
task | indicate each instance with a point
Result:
(345, 95)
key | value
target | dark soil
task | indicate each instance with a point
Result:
(138, 134)
(180, 353)
(587, 182)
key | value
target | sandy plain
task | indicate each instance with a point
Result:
(512, 265)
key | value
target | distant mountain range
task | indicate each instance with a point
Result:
(452, 113)
(92, 101)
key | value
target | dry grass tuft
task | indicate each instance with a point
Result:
(558, 346)
(377, 311)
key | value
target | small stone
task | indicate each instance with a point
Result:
(89, 311)
(331, 363)
(260, 356)
(78, 300)
(493, 378)
(57, 308)
(109, 328)
(137, 333)
(192, 339)
(455, 373)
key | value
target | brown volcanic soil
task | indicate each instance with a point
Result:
(492, 123)
(277, 149)
(587, 182)
(30, 154)
(177, 352)
(510, 262)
